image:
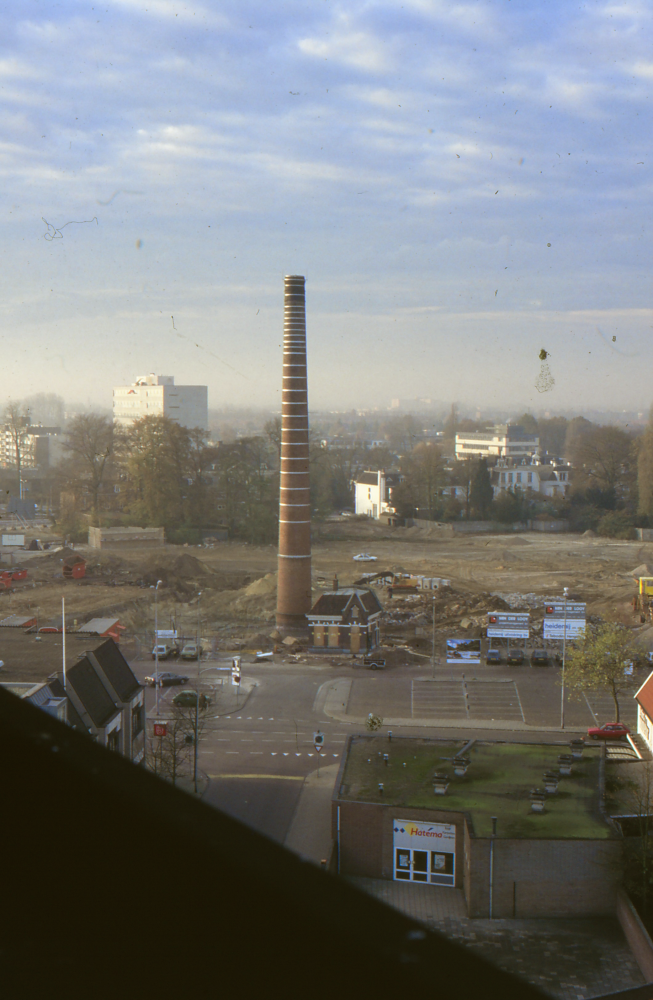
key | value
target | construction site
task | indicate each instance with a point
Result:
(429, 587)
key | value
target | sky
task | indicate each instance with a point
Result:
(464, 184)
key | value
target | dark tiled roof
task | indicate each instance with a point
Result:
(91, 692)
(367, 479)
(334, 602)
(118, 672)
(74, 718)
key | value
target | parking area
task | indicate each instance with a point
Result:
(530, 695)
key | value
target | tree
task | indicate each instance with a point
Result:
(424, 474)
(508, 507)
(597, 664)
(481, 493)
(552, 434)
(645, 470)
(90, 440)
(46, 408)
(17, 421)
(528, 423)
(604, 459)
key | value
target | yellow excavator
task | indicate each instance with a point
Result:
(643, 600)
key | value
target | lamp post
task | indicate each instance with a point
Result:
(564, 649)
(197, 693)
(156, 649)
(433, 643)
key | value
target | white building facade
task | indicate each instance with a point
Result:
(504, 441)
(550, 480)
(158, 396)
(373, 493)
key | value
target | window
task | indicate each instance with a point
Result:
(137, 720)
(113, 740)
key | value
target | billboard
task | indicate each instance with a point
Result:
(13, 540)
(504, 625)
(463, 651)
(560, 622)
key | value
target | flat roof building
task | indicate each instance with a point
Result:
(158, 396)
(520, 828)
(503, 441)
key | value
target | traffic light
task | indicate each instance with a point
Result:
(235, 670)
(318, 740)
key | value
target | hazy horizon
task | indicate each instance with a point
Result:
(462, 185)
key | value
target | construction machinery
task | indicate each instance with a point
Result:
(643, 600)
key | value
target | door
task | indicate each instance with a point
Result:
(355, 641)
(318, 635)
(334, 634)
(411, 865)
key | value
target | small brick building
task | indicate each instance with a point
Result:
(388, 823)
(345, 620)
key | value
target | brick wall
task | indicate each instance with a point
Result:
(538, 878)
(532, 878)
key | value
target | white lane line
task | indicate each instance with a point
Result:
(232, 751)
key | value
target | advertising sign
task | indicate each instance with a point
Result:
(463, 651)
(160, 728)
(556, 609)
(502, 625)
(166, 633)
(424, 852)
(575, 628)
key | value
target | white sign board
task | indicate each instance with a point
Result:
(556, 609)
(166, 633)
(424, 852)
(463, 651)
(13, 539)
(508, 626)
(556, 629)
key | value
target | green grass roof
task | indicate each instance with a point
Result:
(498, 783)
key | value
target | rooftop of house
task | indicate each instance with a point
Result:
(336, 602)
(28, 657)
(498, 783)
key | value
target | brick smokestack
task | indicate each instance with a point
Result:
(294, 579)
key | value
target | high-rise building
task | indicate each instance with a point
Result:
(158, 396)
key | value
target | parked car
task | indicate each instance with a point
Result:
(188, 699)
(364, 557)
(191, 651)
(164, 651)
(374, 662)
(515, 657)
(539, 658)
(609, 731)
(493, 656)
(167, 679)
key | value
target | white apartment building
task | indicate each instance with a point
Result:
(373, 493)
(504, 441)
(40, 446)
(158, 396)
(550, 480)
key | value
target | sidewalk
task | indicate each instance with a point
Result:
(309, 834)
(335, 695)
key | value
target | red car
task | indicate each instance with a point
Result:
(609, 731)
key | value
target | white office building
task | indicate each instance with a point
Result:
(504, 441)
(158, 396)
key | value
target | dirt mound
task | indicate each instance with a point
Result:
(642, 570)
(264, 587)
(589, 534)
(187, 566)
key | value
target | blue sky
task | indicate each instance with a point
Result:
(462, 184)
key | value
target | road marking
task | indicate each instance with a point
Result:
(273, 777)
(256, 751)
(285, 754)
(233, 751)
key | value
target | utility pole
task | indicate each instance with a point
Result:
(156, 650)
(433, 643)
(197, 693)
(564, 650)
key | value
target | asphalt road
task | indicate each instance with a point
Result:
(256, 757)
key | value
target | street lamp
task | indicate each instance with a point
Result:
(197, 693)
(433, 643)
(156, 649)
(564, 647)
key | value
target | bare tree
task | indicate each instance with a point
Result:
(17, 421)
(90, 440)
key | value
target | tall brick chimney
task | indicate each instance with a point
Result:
(294, 577)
